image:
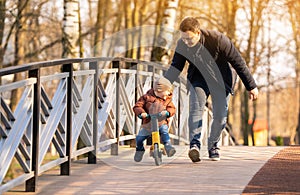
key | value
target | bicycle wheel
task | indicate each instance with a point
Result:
(157, 155)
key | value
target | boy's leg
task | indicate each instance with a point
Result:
(140, 150)
(164, 134)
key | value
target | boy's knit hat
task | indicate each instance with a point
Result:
(162, 84)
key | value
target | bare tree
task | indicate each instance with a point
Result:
(71, 29)
(2, 25)
(166, 18)
(294, 7)
(20, 35)
(103, 7)
(129, 23)
(256, 9)
(143, 9)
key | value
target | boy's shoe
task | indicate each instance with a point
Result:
(214, 153)
(138, 156)
(194, 154)
(170, 150)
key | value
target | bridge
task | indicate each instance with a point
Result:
(74, 118)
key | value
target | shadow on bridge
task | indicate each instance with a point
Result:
(177, 175)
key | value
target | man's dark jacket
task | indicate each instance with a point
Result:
(222, 53)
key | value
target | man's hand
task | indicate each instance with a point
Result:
(253, 94)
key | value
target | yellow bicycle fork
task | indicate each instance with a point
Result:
(156, 140)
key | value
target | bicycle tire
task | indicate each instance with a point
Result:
(157, 155)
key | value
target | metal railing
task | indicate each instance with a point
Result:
(93, 105)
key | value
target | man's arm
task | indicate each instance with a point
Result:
(177, 65)
(232, 55)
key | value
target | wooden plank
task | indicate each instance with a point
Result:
(15, 136)
(18, 84)
(7, 110)
(79, 119)
(15, 182)
(56, 114)
(22, 162)
(56, 76)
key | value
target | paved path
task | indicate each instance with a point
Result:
(178, 175)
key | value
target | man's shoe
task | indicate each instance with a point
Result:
(170, 150)
(138, 156)
(194, 154)
(214, 153)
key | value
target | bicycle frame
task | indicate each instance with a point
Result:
(157, 148)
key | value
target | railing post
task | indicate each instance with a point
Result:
(135, 66)
(92, 156)
(30, 185)
(66, 166)
(177, 142)
(115, 146)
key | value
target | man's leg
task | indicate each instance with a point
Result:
(220, 111)
(197, 103)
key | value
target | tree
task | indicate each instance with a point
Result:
(129, 19)
(255, 13)
(102, 16)
(71, 33)
(2, 25)
(20, 36)
(293, 9)
(165, 22)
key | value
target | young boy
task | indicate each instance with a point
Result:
(157, 99)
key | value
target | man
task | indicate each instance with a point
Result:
(211, 57)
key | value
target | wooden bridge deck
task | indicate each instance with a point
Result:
(177, 175)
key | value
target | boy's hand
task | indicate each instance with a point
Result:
(143, 115)
(165, 113)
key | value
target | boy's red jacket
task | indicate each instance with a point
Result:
(150, 103)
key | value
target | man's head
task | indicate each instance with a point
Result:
(190, 31)
(162, 87)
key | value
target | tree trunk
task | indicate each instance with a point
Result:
(98, 30)
(2, 25)
(230, 8)
(252, 124)
(229, 11)
(166, 30)
(128, 25)
(158, 52)
(245, 116)
(256, 10)
(80, 43)
(142, 13)
(102, 15)
(20, 39)
(71, 29)
(293, 7)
